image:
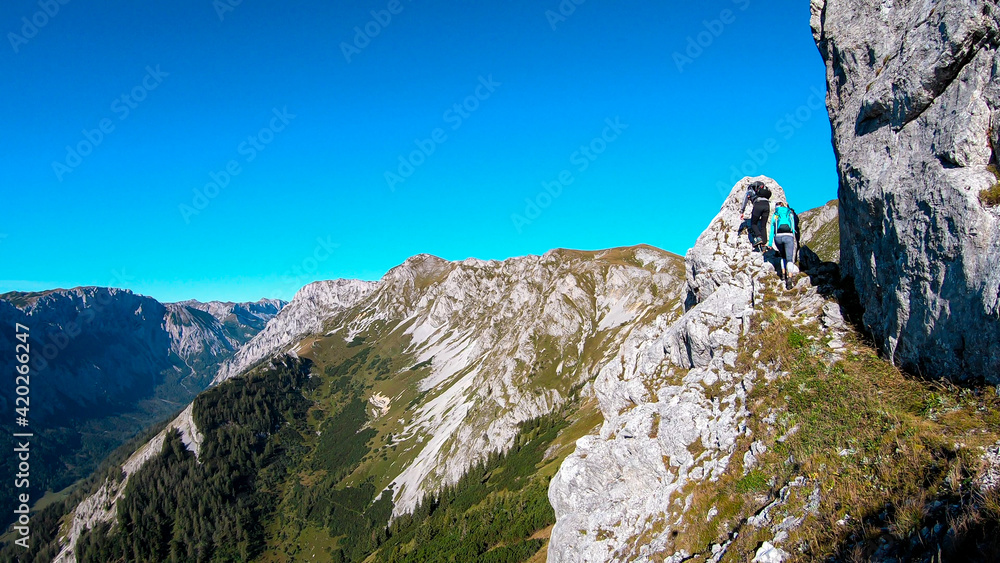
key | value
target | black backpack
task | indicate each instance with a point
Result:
(764, 192)
(798, 229)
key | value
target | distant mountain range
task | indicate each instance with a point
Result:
(107, 363)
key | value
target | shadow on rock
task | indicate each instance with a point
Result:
(827, 279)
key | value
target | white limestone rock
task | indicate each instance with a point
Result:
(663, 428)
(768, 553)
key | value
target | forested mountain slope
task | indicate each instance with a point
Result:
(107, 363)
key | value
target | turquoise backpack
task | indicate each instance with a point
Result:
(784, 220)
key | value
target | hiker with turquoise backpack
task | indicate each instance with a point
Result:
(783, 236)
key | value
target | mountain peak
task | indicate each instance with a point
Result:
(674, 402)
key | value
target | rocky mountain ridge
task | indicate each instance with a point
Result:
(239, 322)
(759, 427)
(675, 406)
(148, 337)
(487, 345)
(490, 345)
(304, 315)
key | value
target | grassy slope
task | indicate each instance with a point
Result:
(991, 196)
(894, 458)
(825, 242)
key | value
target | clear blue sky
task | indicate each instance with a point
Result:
(184, 89)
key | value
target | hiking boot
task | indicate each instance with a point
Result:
(788, 283)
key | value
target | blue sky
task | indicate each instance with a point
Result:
(196, 149)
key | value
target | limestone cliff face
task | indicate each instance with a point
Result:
(508, 341)
(914, 99)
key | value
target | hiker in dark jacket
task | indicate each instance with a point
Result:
(783, 237)
(749, 197)
(759, 216)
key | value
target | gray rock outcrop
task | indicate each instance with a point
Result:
(914, 100)
(313, 305)
(674, 405)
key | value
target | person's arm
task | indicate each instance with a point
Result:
(743, 208)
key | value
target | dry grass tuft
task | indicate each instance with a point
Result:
(991, 196)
